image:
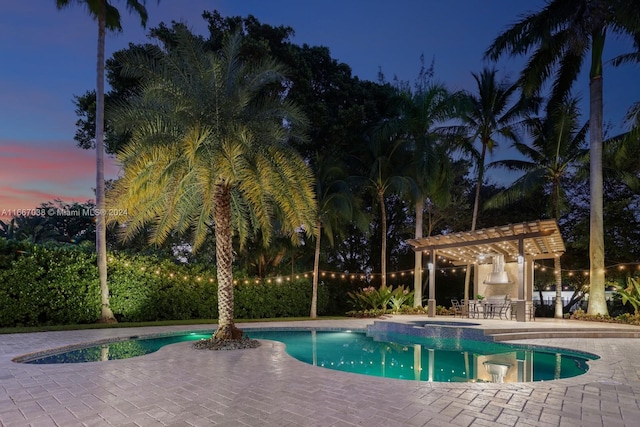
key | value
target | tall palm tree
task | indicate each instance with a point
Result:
(210, 148)
(108, 18)
(421, 116)
(558, 142)
(486, 115)
(562, 35)
(384, 163)
(621, 153)
(337, 206)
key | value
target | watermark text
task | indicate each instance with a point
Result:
(49, 212)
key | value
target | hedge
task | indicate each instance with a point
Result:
(47, 285)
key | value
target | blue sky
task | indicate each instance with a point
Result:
(48, 56)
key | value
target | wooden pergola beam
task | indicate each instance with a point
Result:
(486, 241)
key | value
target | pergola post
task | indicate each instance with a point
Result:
(521, 303)
(476, 282)
(431, 303)
(417, 280)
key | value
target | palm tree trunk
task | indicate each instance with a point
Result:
(417, 273)
(597, 300)
(557, 267)
(383, 255)
(106, 314)
(316, 271)
(224, 261)
(476, 202)
(558, 279)
(474, 218)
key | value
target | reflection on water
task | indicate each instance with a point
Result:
(383, 355)
(497, 370)
(427, 359)
(116, 350)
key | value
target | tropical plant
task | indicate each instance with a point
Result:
(486, 115)
(370, 298)
(631, 293)
(562, 35)
(400, 298)
(8, 229)
(108, 18)
(558, 143)
(53, 221)
(366, 298)
(32, 229)
(210, 149)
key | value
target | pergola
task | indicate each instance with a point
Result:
(521, 245)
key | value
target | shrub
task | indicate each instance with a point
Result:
(338, 295)
(372, 313)
(366, 298)
(631, 293)
(11, 250)
(49, 285)
(381, 298)
(277, 299)
(444, 311)
(46, 285)
(372, 302)
(626, 318)
(149, 288)
(401, 298)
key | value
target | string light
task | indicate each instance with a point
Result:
(369, 277)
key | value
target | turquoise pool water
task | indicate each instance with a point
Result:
(402, 357)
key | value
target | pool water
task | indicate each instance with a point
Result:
(125, 349)
(403, 357)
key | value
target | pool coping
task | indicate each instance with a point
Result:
(264, 386)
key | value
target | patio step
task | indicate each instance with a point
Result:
(523, 334)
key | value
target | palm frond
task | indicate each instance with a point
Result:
(203, 122)
(521, 187)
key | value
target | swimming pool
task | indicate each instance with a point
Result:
(383, 354)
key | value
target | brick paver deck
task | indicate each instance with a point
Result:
(179, 386)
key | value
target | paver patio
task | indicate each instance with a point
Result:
(179, 386)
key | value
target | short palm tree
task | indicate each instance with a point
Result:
(558, 143)
(562, 35)
(108, 18)
(210, 149)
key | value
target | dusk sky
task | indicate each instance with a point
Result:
(48, 56)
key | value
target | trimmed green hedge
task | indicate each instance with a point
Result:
(48, 285)
(145, 288)
(285, 299)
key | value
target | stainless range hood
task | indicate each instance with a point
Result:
(498, 276)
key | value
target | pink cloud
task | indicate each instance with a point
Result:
(32, 173)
